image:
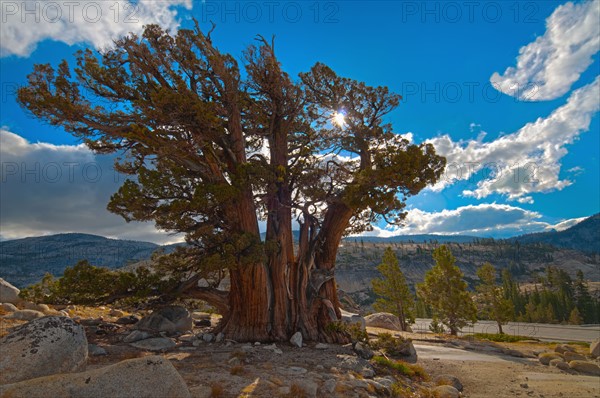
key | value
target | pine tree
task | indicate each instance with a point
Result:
(575, 317)
(394, 295)
(492, 302)
(189, 127)
(584, 300)
(446, 292)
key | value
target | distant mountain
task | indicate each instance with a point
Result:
(25, 261)
(584, 236)
(414, 238)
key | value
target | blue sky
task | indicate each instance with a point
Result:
(508, 91)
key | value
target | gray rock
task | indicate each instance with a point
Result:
(200, 315)
(559, 363)
(321, 346)
(42, 347)
(546, 357)
(308, 386)
(95, 351)
(595, 349)
(148, 377)
(356, 364)
(384, 320)
(363, 350)
(154, 344)
(36, 307)
(9, 293)
(219, 337)
(116, 313)
(573, 356)
(385, 381)
(296, 339)
(169, 319)
(446, 392)
(351, 318)
(562, 348)
(292, 371)
(273, 347)
(585, 367)
(136, 335)
(187, 338)
(328, 387)
(26, 315)
(449, 381)
(208, 337)
(8, 307)
(127, 320)
(380, 389)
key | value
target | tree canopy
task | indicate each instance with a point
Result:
(211, 151)
(445, 290)
(394, 295)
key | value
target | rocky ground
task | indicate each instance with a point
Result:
(230, 369)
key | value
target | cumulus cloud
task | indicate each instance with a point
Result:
(47, 189)
(487, 220)
(94, 22)
(547, 68)
(526, 161)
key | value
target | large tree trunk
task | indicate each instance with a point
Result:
(318, 304)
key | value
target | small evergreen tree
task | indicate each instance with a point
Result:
(394, 295)
(493, 305)
(575, 317)
(446, 292)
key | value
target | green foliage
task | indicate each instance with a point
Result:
(394, 295)
(354, 331)
(492, 303)
(502, 338)
(411, 371)
(446, 292)
(436, 327)
(392, 346)
(86, 284)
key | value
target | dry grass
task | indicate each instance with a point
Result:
(237, 370)
(296, 391)
(216, 390)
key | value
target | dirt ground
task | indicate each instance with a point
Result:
(248, 370)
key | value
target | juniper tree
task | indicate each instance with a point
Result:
(446, 292)
(211, 151)
(493, 305)
(394, 295)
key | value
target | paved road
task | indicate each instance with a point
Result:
(540, 331)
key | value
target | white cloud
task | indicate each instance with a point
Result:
(547, 68)
(565, 224)
(525, 162)
(27, 23)
(47, 189)
(487, 219)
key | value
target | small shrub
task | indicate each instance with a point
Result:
(504, 338)
(436, 327)
(241, 355)
(216, 391)
(236, 370)
(354, 331)
(392, 346)
(296, 391)
(406, 369)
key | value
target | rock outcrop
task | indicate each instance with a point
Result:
(384, 320)
(595, 349)
(170, 319)
(42, 347)
(148, 377)
(9, 293)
